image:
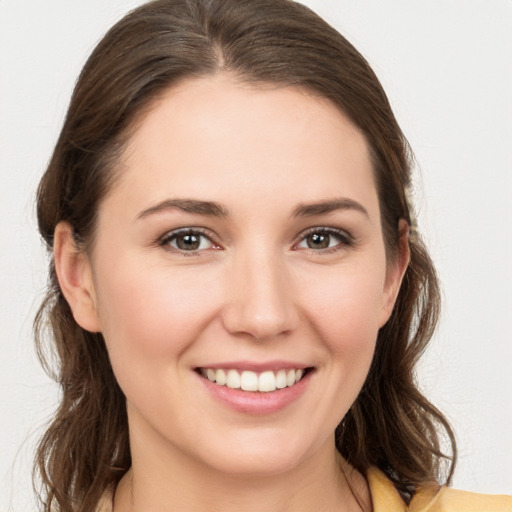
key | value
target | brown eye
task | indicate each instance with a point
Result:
(318, 240)
(187, 241)
(326, 238)
(190, 242)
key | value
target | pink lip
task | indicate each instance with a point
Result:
(255, 367)
(255, 402)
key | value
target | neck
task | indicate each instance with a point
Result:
(163, 482)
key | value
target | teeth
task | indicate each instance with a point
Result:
(267, 382)
(221, 377)
(251, 381)
(233, 379)
(281, 379)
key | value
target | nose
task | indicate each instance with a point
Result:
(260, 297)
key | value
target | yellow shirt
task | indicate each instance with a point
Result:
(386, 498)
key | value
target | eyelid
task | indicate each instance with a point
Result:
(347, 240)
(173, 233)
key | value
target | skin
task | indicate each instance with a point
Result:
(253, 291)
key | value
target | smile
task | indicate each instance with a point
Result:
(265, 382)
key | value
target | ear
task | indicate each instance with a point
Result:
(395, 272)
(75, 278)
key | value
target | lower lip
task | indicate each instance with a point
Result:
(256, 402)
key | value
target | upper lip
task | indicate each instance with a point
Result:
(256, 366)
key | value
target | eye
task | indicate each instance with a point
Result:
(187, 240)
(320, 239)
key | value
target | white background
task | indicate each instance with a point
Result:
(447, 68)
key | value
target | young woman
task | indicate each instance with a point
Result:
(238, 292)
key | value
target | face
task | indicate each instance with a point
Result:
(241, 246)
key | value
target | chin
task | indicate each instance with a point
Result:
(260, 454)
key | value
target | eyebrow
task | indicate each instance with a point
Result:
(214, 209)
(323, 207)
(209, 208)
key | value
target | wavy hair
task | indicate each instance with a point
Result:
(391, 425)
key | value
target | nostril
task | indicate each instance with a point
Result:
(261, 325)
(260, 302)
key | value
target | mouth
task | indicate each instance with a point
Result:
(250, 381)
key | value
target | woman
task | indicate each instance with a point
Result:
(238, 294)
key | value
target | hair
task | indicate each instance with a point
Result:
(391, 425)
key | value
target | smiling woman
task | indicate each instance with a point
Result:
(237, 297)
(287, 286)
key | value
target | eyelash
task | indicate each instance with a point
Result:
(345, 240)
(168, 238)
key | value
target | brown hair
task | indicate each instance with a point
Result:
(391, 424)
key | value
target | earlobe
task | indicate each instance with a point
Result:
(396, 272)
(74, 274)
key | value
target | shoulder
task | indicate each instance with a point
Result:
(385, 497)
(444, 499)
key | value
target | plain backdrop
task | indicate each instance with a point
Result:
(447, 68)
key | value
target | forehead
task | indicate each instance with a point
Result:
(217, 137)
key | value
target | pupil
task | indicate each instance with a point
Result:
(316, 241)
(188, 242)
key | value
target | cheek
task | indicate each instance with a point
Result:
(350, 302)
(343, 311)
(346, 311)
(154, 314)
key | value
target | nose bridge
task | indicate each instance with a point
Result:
(260, 298)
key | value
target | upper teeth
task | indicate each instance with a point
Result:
(252, 381)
